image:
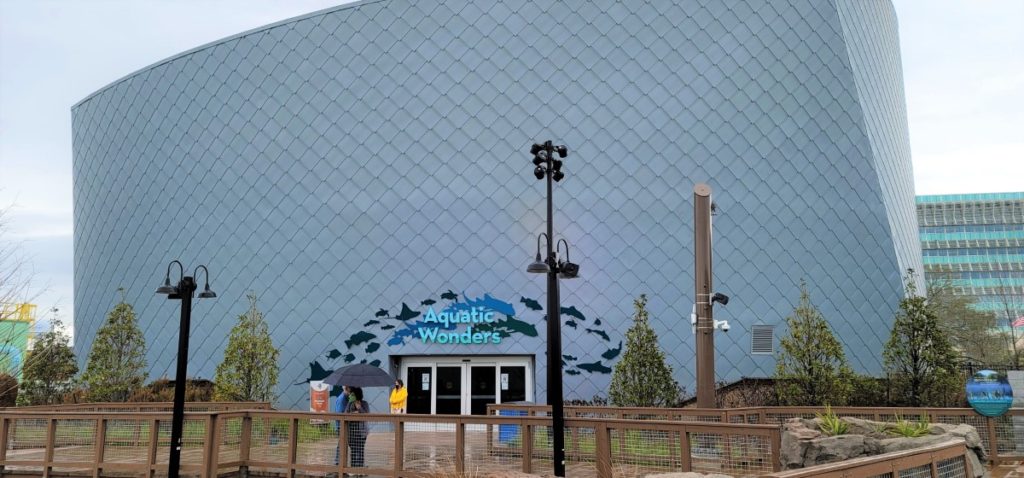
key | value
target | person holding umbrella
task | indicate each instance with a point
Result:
(357, 430)
(354, 377)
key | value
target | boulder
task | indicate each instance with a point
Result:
(805, 445)
(834, 448)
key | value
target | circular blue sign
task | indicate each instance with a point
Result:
(989, 393)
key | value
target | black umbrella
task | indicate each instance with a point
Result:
(360, 375)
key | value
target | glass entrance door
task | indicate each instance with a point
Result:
(512, 383)
(466, 385)
(419, 384)
(482, 388)
(449, 390)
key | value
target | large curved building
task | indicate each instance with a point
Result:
(365, 169)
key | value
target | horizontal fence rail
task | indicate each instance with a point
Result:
(141, 407)
(1003, 437)
(945, 460)
(281, 443)
(600, 441)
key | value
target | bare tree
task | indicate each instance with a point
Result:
(974, 332)
(1010, 303)
(15, 273)
(15, 293)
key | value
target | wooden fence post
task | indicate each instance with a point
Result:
(51, 432)
(100, 447)
(211, 452)
(293, 445)
(527, 430)
(685, 460)
(400, 445)
(603, 450)
(342, 445)
(622, 434)
(460, 447)
(244, 442)
(776, 449)
(154, 441)
(993, 439)
(5, 428)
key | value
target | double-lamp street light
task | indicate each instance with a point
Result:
(183, 291)
(546, 166)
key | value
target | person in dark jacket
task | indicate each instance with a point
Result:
(339, 406)
(357, 430)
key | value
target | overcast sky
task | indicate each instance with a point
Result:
(963, 64)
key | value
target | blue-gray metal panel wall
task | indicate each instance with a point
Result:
(872, 39)
(376, 154)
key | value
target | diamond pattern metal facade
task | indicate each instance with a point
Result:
(374, 154)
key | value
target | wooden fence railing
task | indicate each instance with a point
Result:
(945, 460)
(301, 443)
(1003, 437)
(141, 407)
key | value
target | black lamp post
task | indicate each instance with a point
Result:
(547, 166)
(183, 291)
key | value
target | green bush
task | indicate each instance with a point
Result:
(868, 391)
(831, 424)
(8, 390)
(910, 429)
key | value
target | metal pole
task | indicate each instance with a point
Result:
(186, 287)
(554, 336)
(702, 285)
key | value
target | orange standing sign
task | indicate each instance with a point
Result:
(319, 397)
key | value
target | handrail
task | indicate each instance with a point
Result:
(145, 405)
(241, 440)
(994, 431)
(889, 462)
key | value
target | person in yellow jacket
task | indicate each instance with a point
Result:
(399, 397)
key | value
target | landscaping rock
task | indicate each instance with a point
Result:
(804, 445)
(834, 448)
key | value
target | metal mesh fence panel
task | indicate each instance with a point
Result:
(540, 459)
(493, 448)
(580, 444)
(27, 441)
(636, 451)
(747, 454)
(74, 440)
(317, 442)
(429, 447)
(193, 439)
(1013, 428)
(580, 451)
(372, 444)
(127, 441)
(268, 442)
(163, 441)
(952, 467)
(230, 431)
(698, 418)
(923, 471)
(1009, 435)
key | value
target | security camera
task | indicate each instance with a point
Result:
(722, 325)
(725, 327)
(569, 270)
(720, 298)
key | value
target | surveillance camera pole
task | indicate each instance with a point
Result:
(702, 283)
(551, 170)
